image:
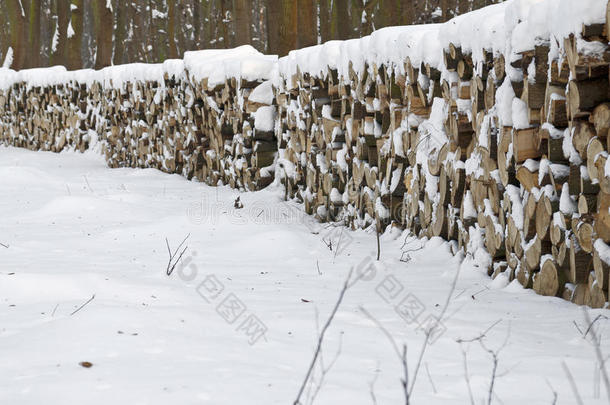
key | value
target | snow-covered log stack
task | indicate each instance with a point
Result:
(490, 130)
(209, 116)
(49, 109)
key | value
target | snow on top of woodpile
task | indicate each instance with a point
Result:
(505, 28)
(315, 60)
(7, 78)
(218, 65)
(118, 75)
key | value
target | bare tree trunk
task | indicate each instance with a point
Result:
(288, 27)
(407, 13)
(445, 10)
(34, 51)
(356, 18)
(225, 23)
(103, 23)
(171, 29)
(75, 37)
(325, 20)
(385, 14)
(16, 15)
(273, 25)
(243, 22)
(4, 33)
(160, 46)
(60, 37)
(307, 24)
(282, 25)
(463, 6)
(184, 34)
(120, 34)
(340, 23)
(197, 23)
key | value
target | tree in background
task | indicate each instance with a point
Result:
(75, 35)
(59, 39)
(98, 33)
(103, 17)
(32, 11)
(18, 39)
(243, 22)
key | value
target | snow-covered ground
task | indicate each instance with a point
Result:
(75, 229)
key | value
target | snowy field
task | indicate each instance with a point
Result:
(236, 321)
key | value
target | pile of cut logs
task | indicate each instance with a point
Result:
(50, 118)
(527, 197)
(166, 121)
(425, 146)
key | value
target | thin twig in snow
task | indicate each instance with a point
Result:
(466, 374)
(598, 351)
(82, 306)
(431, 330)
(3, 245)
(297, 401)
(553, 391)
(173, 262)
(338, 245)
(597, 318)
(402, 356)
(324, 370)
(572, 383)
(494, 355)
(481, 335)
(372, 385)
(405, 379)
(87, 181)
(377, 231)
(430, 378)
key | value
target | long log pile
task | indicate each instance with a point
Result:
(447, 130)
(155, 116)
(51, 115)
(504, 152)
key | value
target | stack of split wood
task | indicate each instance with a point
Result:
(503, 152)
(154, 116)
(49, 115)
(447, 130)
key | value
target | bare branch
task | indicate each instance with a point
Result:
(372, 386)
(553, 391)
(598, 351)
(466, 374)
(173, 261)
(430, 378)
(572, 383)
(82, 306)
(597, 318)
(431, 330)
(297, 401)
(482, 335)
(402, 355)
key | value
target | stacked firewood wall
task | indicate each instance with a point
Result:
(190, 128)
(178, 126)
(529, 200)
(50, 118)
